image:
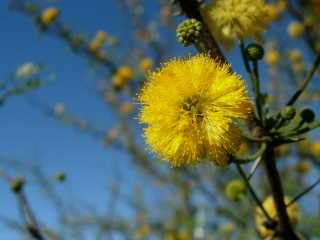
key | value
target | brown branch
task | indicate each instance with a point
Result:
(191, 9)
(284, 227)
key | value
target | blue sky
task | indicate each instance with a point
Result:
(27, 134)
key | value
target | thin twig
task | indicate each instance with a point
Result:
(253, 193)
(305, 83)
(307, 190)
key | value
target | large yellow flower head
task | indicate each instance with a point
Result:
(268, 204)
(236, 19)
(189, 107)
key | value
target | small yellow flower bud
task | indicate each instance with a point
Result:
(235, 189)
(97, 41)
(145, 64)
(126, 108)
(303, 166)
(125, 72)
(49, 15)
(272, 57)
(288, 113)
(315, 148)
(295, 55)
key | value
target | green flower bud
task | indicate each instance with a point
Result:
(188, 31)
(254, 52)
(307, 115)
(17, 184)
(288, 113)
(235, 189)
(60, 177)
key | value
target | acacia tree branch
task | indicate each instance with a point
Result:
(191, 9)
(284, 227)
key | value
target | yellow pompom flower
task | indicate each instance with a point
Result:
(295, 29)
(236, 19)
(189, 106)
(49, 15)
(268, 204)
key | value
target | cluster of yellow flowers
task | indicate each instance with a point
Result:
(189, 107)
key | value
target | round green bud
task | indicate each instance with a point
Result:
(188, 31)
(235, 189)
(254, 52)
(307, 115)
(288, 113)
(60, 177)
(17, 184)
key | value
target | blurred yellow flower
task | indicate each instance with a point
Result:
(49, 15)
(295, 55)
(268, 204)
(282, 150)
(145, 64)
(295, 29)
(98, 41)
(235, 189)
(236, 19)
(272, 57)
(125, 72)
(189, 107)
(315, 148)
(273, 12)
(126, 108)
(121, 77)
(303, 166)
(142, 232)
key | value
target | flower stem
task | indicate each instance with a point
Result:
(284, 228)
(253, 193)
(305, 83)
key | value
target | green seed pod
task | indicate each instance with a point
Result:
(235, 189)
(288, 113)
(307, 115)
(17, 184)
(60, 177)
(188, 31)
(254, 52)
